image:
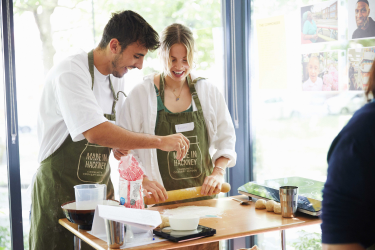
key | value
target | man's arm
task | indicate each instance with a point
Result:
(354, 246)
(112, 136)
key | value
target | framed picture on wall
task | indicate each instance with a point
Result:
(319, 71)
(319, 22)
(360, 61)
(361, 15)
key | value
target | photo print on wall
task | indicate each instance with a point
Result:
(319, 71)
(361, 22)
(360, 61)
(319, 22)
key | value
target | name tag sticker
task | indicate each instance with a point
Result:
(184, 127)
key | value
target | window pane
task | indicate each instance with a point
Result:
(45, 33)
(294, 127)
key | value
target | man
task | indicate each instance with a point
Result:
(75, 124)
(365, 24)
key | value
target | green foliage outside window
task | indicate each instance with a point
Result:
(4, 238)
(308, 241)
(199, 15)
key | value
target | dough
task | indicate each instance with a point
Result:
(277, 208)
(164, 222)
(260, 204)
(269, 205)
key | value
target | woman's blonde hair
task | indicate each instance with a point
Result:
(174, 34)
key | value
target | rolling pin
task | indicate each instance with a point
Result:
(183, 194)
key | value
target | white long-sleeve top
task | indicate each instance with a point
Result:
(139, 115)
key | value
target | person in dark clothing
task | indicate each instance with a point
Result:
(348, 220)
(365, 24)
(351, 70)
(352, 83)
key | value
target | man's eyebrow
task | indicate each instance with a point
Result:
(140, 54)
(175, 57)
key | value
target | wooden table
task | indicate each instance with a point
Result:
(237, 221)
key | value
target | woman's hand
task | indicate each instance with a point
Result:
(212, 184)
(154, 187)
(117, 153)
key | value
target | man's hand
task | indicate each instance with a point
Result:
(117, 153)
(176, 142)
(212, 184)
(154, 187)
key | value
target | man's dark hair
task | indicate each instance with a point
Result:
(129, 27)
(364, 1)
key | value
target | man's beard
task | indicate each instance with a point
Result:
(115, 72)
(364, 23)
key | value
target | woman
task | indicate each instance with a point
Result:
(309, 27)
(347, 216)
(177, 101)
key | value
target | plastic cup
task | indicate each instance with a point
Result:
(88, 196)
(288, 201)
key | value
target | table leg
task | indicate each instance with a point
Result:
(283, 242)
(77, 243)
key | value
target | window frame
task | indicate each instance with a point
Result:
(237, 16)
(13, 159)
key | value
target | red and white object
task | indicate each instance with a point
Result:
(131, 177)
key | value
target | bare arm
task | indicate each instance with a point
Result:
(212, 184)
(354, 246)
(112, 136)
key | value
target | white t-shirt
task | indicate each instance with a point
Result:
(68, 104)
(313, 86)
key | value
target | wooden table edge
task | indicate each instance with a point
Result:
(63, 222)
(189, 243)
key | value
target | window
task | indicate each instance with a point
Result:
(45, 33)
(293, 127)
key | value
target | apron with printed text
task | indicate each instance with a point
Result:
(73, 163)
(197, 164)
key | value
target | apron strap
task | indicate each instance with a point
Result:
(191, 87)
(111, 117)
(193, 91)
(91, 66)
(161, 87)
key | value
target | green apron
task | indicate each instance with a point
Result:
(73, 163)
(197, 164)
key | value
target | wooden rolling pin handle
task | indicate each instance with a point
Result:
(225, 187)
(183, 194)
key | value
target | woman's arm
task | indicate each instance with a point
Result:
(212, 184)
(224, 141)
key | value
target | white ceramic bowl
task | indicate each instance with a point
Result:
(184, 222)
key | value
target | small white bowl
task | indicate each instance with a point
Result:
(184, 222)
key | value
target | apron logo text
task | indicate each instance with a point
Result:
(95, 160)
(189, 160)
